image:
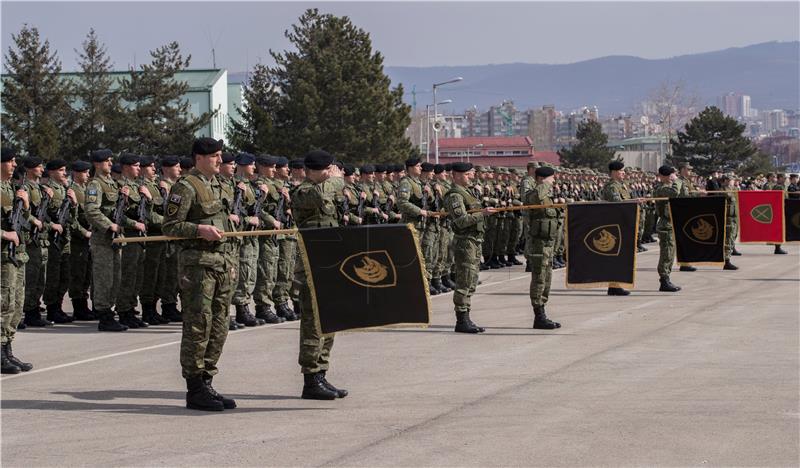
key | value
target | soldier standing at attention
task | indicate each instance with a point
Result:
(687, 189)
(12, 274)
(615, 190)
(287, 245)
(468, 230)
(80, 267)
(102, 195)
(543, 228)
(167, 283)
(669, 188)
(207, 272)
(57, 276)
(153, 255)
(36, 267)
(780, 184)
(728, 183)
(314, 206)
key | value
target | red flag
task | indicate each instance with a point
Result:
(761, 216)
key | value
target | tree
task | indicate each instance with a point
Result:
(590, 151)
(35, 100)
(670, 105)
(99, 108)
(156, 118)
(759, 163)
(334, 94)
(255, 133)
(712, 141)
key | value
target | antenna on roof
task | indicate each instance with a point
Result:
(213, 58)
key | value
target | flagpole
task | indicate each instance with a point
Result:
(563, 205)
(131, 240)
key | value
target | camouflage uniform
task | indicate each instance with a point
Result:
(411, 198)
(80, 277)
(132, 254)
(37, 249)
(248, 251)
(58, 273)
(267, 266)
(287, 253)
(151, 273)
(12, 277)
(666, 243)
(543, 229)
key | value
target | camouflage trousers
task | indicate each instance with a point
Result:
(151, 272)
(266, 270)
(287, 254)
(205, 302)
(489, 236)
(57, 275)
(540, 258)
(106, 271)
(443, 253)
(514, 236)
(467, 257)
(731, 231)
(248, 260)
(167, 286)
(558, 247)
(131, 277)
(35, 273)
(12, 285)
(503, 235)
(315, 348)
(666, 251)
(430, 248)
(80, 268)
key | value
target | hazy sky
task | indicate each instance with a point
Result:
(411, 33)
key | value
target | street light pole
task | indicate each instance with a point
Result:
(436, 136)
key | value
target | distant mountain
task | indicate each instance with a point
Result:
(768, 72)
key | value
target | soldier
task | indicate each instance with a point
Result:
(543, 226)
(57, 276)
(354, 198)
(794, 188)
(314, 206)
(267, 266)
(616, 191)
(780, 184)
(287, 245)
(728, 183)
(526, 184)
(79, 259)
(37, 248)
(153, 255)
(468, 230)
(236, 221)
(102, 202)
(669, 188)
(207, 272)
(444, 253)
(167, 282)
(415, 202)
(12, 271)
(515, 219)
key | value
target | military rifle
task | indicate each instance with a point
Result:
(258, 204)
(41, 214)
(424, 220)
(361, 201)
(376, 204)
(118, 216)
(63, 217)
(18, 224)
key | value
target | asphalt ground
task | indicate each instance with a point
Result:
(708, 376)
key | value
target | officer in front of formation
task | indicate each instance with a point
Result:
(616, 191)
(207, 272)
(669, 188)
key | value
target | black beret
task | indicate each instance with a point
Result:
(33, 161)
(228, 158)
(296, 164)
(427, 167)
(81, 166)
(55, 164)
(448, 167)
(245, 159)
(397, 168)
(338, 164)
(101, 155)
(349, 169)
(544, 171)
(282, 162)
(266, 160)
(380, 168)
(145, 161)
(666, 170)
(186, 163)
(438, 168)
(367, 169)
(461, 166)
(170, 161)
(616, 165)
(129, 159)
(206, 145)
(412, 162)
(8, 154)
(116, 168)
(317, 160)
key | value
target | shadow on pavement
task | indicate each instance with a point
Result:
(91, 327)
(105, 395)
(129, 408)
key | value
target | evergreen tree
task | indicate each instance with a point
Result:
(99, 108)
(712, 141)
(156, 118)
(591, 149)
(255, 133)
(758, 163)
(35, 99)
(334, 94)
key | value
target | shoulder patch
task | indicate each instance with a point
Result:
(175, 198)
(91, 191)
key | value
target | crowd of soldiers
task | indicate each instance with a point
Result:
(61, 220)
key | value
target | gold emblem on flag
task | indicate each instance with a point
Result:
(373, 269)
(604, 240)
(702, 229)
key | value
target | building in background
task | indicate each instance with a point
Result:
(508, 151)
(646, 153)
(542, 127)
(735, 105)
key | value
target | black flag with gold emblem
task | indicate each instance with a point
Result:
(698, 226)
(792, 212)
(601, 244)
(364, 277)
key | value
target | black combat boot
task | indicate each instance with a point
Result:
(244, 316)
(21, 325)
(283, 311)
(687, 268)
(232, 325)
(126, 318)
(495, 264)
(340, 392)
(265, 313)
(23, 366)
(297, 308)
(171, 312)
(448, 282)
(199, 398)
(527, 267)
(735, 252)
(541, 321)
(667, 286)
(513, 260)
(56, 315)
(227, 403)
(81, 310)
(149, 314)
(432, 290)
(8, 367)
(641, 248)
(618, 292)
(437, 283)
(314, 389)
(465, 325)
(780, 251)
(483, 266)
(33, 318)
(108, 323)
(729, 266)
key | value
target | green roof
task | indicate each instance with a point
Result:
(198, 80)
